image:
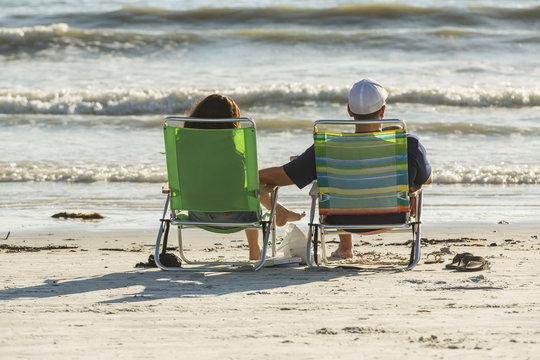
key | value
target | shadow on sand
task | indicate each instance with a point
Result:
(159, 284)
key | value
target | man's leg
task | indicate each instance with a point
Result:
(345, 247)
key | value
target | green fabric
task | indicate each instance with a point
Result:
(212, 170)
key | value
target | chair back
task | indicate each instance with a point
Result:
(362, 174)
(212, 170)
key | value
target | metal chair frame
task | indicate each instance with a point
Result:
(266, 226)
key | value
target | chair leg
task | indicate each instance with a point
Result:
(266, 235)
(415, 247)
(181, 247)
(157, 247)
(316, 244)
(308, 246)
(324, 257)
(165, 238)
(273, 199)
(311, 229)
(267, 229)
(161, 231)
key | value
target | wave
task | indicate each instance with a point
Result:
(113, 102)
(146, 173)
(30, 40)
(274, 122)
(492, 174)
(81, 172)
(379, 15)
(177, 101)
(279, 123)
(17, 42)
(467, 98)
(468, 128)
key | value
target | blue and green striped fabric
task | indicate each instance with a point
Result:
(362, 173)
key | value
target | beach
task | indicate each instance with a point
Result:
(85, 89)
(88, 300)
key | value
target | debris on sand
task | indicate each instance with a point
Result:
(119, 249)
(66, 215)
(167, 259)
(19, 248)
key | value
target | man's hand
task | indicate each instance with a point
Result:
(266, 189)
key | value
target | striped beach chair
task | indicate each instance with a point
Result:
(362, 183)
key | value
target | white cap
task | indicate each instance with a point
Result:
(366, 97)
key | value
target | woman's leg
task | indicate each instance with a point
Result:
(255, 251)
(283, 215)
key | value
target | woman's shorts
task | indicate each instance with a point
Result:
(231, 217)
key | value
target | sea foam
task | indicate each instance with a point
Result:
(168, 101)
(44, 171)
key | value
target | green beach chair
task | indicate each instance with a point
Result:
(362, 184)
(212, 175)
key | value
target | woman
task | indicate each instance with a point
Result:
(217, 106)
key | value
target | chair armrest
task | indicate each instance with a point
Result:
(314, 191)
(165, 188)
(414, 194)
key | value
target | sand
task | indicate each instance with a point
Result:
(82, 298)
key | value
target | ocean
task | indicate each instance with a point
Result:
(85, 86)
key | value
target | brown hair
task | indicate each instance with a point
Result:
(371, 116)
(214, 106)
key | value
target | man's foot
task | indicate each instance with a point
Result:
(345, 247)
(284, 215)
(343, 254)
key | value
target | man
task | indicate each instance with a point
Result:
(367, 101)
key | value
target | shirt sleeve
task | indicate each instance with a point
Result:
(419, 167)
(302, 169)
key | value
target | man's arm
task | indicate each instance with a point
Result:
(413, 190)
(429, 180)
(420, 172)
(300, 171)
(274, 176)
